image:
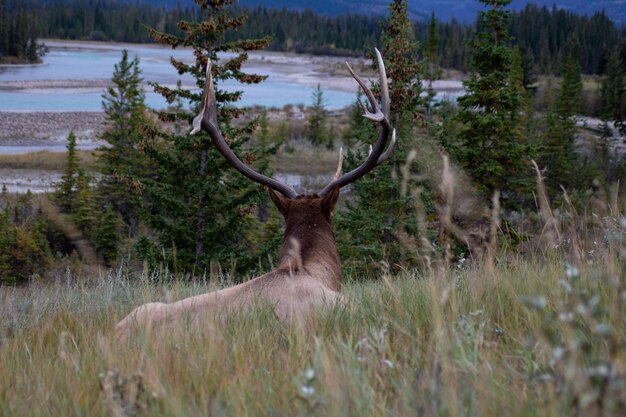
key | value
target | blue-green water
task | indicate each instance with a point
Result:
(97, 63)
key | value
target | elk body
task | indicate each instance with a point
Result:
(308, 276)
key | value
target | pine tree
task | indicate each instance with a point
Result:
(199, 206)
(66, 191)
(490, 144)
(317, 119)
(121, 163)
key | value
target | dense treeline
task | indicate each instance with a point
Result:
(18, 34)
(548, 34)
(544, 33)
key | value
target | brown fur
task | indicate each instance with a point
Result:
(308, 276)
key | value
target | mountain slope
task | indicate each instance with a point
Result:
(464, 10)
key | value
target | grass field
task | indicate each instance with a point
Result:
(528, 338)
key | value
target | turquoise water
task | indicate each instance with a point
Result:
(98, 64)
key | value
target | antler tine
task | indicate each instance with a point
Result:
(366, 90)
(207, 121)
(384, 88)
(339, 164)
(389, 150)
(377, 153)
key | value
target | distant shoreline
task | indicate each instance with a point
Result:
(35, 128)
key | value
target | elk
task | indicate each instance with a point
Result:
(308, 275)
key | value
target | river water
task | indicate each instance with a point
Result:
(23, 88)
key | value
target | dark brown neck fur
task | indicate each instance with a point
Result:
(309, 243)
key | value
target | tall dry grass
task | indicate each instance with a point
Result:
(524, 338)
(46, 160)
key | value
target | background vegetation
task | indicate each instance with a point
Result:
(541, 32)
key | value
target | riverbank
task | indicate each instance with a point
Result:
(48, 128)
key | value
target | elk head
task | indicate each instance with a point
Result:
(283, 195)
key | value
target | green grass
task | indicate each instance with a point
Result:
(474, 342)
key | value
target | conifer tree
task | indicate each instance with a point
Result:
(316, 121)
(370, 222)
(66, 191)
(199, 206)
(431, 53)
(558, 154)
(121, 162)
(84, 210)
(106, 235)
(490, 144)
(613, 92)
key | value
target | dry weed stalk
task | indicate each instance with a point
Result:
(481, 243)
(550, 232)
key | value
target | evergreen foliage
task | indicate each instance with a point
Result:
(200, 208)
(540, 31)
(317, 128)
(558, 155)
(370, 223)
(24, 250)
(107, 236)
(432, 70)
(490, 145)
(121, 163)
(66, 191)
(545, 33)
(613, 92)
(18, 34)
(84, 209)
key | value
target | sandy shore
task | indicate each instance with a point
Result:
(35, 128)
(54, 84)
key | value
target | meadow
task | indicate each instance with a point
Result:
(515, 335)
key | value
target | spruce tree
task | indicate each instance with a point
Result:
(431, 54)
(371, 221)
(613, 93)
(66, 191)
(106, 235)
(84, 210)
(316, 120)
(559, 156)
(201, 208)
(121, 163)
(490, 145)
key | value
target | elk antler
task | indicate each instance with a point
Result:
(377, 154)
(207, 121)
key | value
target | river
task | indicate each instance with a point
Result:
(74, 74)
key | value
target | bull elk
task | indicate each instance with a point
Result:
(308, 275)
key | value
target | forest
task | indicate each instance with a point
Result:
(18, 35)
(542, 33)
(483, 263)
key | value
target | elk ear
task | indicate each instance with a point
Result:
(329, 201)
(281, 202)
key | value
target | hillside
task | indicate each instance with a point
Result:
(464, 10)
